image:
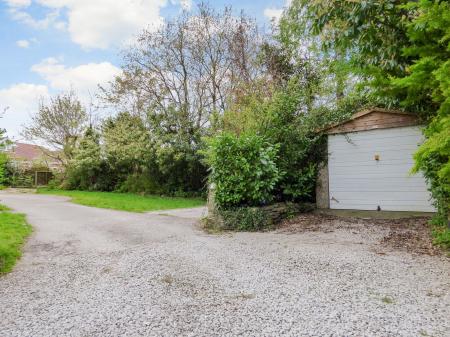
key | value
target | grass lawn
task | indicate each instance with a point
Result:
(13, 231)
(441, 236)
(125, 201)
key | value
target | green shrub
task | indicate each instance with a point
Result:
(55, 183)
(440, 230)
(140, 183)
(121, 156)
(25, 180)
(441, 236)
(288, 118)
(243, 169)
(245, 219)
(433, 159)
(258, 218)
(3, 168)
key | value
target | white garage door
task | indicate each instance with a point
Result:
(358, 181)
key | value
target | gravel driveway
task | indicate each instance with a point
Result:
(96, 272)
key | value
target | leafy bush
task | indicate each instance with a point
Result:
(140, 183)
(22, 180)
(433, 159)
(243, 169)
(125, 155)
(442, 236)
(177, 167)
(289, 119)
(3, 168)
(88, 169)
(53, 184)
(300, 145)
(244, 218)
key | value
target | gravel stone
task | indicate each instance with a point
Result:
(96, 272)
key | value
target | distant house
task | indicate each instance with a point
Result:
(26, 156)
(370, 157)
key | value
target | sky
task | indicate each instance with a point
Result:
(51, 46)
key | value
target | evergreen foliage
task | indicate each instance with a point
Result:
(243, 169)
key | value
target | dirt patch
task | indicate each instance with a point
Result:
(407, 234)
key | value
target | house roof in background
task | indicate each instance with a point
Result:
(29, 152)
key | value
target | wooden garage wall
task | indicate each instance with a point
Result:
(374, 120)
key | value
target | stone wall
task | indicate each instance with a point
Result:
(252, 218)
(269, 215)
(280, 211)
(322, 188)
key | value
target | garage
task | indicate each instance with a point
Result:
(369, 161)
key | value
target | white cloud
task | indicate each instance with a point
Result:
(103, 23)
(23, 43)
(273, 13)
(18, 3)
(185, 4)
(60, 25)
(22, 16)
(84, 79)
(98, 23)
(20, 100)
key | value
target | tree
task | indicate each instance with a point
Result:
(87, 168)
(3, 157)
(371, 33)
(188, 70)
(127, 142)
(433, 159)
(427, 87)
(59, 124)
(361, 42)
(290, 120)
(4, 141)
(180, 78)
(425, 84)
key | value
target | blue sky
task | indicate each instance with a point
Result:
(50, 46)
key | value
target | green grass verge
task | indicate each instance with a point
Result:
(125, 201)
(442, 237)
(13, 231)
(441, 232)
(3, 208)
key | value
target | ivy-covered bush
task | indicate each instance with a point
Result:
(251, 219)
(244, 219)
(243, 169)
(3, 163)
(289, 119)
(433, 159)
(427, 85)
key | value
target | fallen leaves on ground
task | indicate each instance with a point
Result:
(407, 234)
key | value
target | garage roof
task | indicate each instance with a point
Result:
(374, 118)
